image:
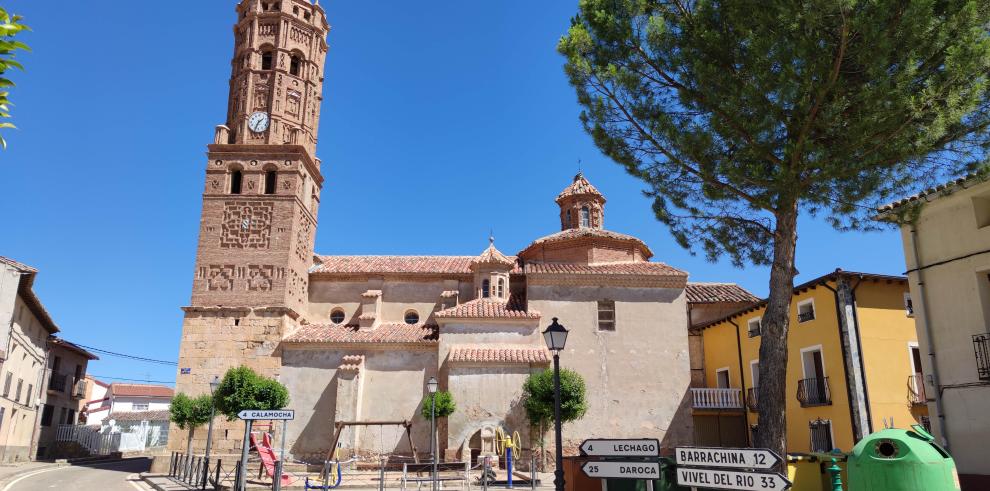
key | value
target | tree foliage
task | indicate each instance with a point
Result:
(10, 26)
(739, 116)
(188, 412)
(538, 396)
(242, 388)
(445, 404)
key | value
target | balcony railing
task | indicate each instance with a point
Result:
(716, 398)
(751, 399)
(916, 389)
(58, 382)
(814, 392)
(79, 389)
(806, 316)
(981, 345)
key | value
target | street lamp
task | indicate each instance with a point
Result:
(214, 384)
(556, 337)
(432, 386)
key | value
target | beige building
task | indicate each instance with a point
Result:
(23, 350)
(66, 390)
(355, 338)
(947, 249)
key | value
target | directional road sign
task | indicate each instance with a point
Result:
(280, 414)
(637, 447)
(723, 479)
(621, 470)
(737, 458)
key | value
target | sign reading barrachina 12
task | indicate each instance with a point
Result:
(750, 468)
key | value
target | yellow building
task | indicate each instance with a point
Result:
(853, 366)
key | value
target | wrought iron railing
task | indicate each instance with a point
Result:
(716, 398)
(814, 392)
(79, 389)
(751, 403)
(806, 316)
(981, 345)
(58, 382)
(916, 389)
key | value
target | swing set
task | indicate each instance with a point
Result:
(331, 475)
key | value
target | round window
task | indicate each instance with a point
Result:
(412, 317)
(337, 316)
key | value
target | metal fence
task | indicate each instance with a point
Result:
(90, 438)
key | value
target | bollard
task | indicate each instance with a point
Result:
(835, 470)
(277, 476)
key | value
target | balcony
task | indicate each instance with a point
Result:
(916, 389)
(751, 399)
(58, 382)
(716, 398)
(814, 392)
(981, 345)
(79, 389)
(806, 316)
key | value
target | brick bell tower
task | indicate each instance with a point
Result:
(260, 203)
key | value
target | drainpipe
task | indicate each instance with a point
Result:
(928, 334)
(742, 381)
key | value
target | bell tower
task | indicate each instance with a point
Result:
(260, 199)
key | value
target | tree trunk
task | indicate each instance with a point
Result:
(771, 392)
(189, 450)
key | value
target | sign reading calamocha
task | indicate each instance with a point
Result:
(277, 414)
(739, 458)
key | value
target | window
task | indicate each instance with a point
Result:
(806, 310)
(568, 220)
(813, 389)
(585, 217)
(486, 288)
(266, 60)
(925, 422)
(981, 345)
(295, 64)
(295, 10)
(2, 411)
(412, 317)
(72, 417)
(56, 364)
(62, 415)
(908, 305)
(337, 316)
(20, 386)
(6, 384)
(140, 406)
(235, 182)
(821, 435)
(722, 378)
(606, 315)
(755, 326)
(306, 15)
(271, 179)
(30, 391)
(46, 415)
(500, 292)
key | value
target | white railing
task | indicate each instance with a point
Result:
(90, 438)
(716, 398)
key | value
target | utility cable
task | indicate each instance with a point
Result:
(129, 357)
(131, 379)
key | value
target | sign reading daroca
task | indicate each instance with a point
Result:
(747, 458)
(280, 414)
(621, 470)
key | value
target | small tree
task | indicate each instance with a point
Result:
(445, 404)
(188, 413)
(539, 401)
(10, 25)
(242, 388)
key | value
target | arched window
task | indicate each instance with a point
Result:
(266, 60)
(295, 64)
(585, 217)
(568, 221)
(235, 182)
(412, 317)
(271, 179)
(500, 292)
(486, 287)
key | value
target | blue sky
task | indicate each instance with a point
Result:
(441, 121)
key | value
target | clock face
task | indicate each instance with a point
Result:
(258, 122)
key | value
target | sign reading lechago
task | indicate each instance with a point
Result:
(280, 414)
(636, 447)
(621, 470)
(738, 458)
(723, 479)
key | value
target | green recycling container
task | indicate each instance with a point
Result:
(901, 460)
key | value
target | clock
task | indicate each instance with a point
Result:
(258, 122)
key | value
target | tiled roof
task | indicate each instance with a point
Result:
(158, 415)
(73, 347)
(25, 289)
(942, 189)
(468, 353)
(140, 390)
(24, 268)
(587, 233)
(636, 269)
(718, 292)
(394, 264)
(488, 308)
(493, 256)
(578, 187)
(395, 333)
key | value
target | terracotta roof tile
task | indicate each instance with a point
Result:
(934, 191)
(587, 233)
(493, 256)
(580, 186)
(140, 390)
(488, 308)
(487, 353)
(394, 264)
(158, 415)
(635, 269)
(386, 333)
(718, 292)
(24, 268)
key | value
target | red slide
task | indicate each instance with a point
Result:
(267, 454)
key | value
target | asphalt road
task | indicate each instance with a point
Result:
(109, 476)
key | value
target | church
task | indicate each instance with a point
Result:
(356, 338)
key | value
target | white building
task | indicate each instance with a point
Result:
(129, 398)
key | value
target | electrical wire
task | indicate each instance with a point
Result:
(129, 357)
(132, 379)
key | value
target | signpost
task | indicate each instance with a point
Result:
(734, 468)
(606, 469)
(249, 416)
(600, 447)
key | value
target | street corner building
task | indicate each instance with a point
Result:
(355, 338)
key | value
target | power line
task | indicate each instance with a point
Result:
(132, 379)
(129, 357)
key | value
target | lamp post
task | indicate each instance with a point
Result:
(214, 384)
(432, 386)
(556, 337)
